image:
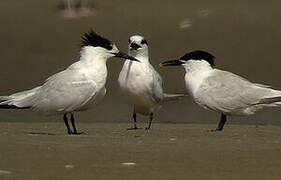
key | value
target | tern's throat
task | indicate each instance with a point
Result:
(140, 55)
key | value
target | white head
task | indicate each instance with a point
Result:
(95, 47)
(193, 61)
(138, 47)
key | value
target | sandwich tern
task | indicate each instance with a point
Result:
(77, 88)
(140, 83)
(223, 91)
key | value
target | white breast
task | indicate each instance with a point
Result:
(135, 82)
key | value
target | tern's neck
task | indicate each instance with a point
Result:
(141, 56)
(93, 65)
(197, 67)
(89, 56)
(143, 59)
(196, 72)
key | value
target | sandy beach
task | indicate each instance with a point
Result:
(168, 151)
(37, 42)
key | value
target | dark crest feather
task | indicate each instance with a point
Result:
(93, 39)
(199, 55)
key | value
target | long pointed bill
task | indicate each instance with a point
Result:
(172, 63)
(125, 56)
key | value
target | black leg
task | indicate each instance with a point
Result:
(73, 124)
(135, 121)
(221, 123)
(66, 124)
(150, 120)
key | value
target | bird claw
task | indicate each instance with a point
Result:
(75, 133)
(133, 128)
(214, 130)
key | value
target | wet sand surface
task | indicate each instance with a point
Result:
(37, 42)
(168, 151)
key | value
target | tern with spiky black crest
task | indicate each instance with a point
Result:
(141, 84)
(223, 91)
(77, 88)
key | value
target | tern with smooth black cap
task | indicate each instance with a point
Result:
(222, 91)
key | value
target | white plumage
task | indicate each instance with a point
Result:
(141, 85)
(223, 91)
(77, 88)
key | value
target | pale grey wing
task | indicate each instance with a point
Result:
(23, 99)
(65, 92)
(226, 92)
(157, 86)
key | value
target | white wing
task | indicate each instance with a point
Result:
(226, 92)
(156, 86)
(65, 92)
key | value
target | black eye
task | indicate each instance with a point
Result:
(130, 41)
(143, 41)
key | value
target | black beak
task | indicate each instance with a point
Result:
(125, 56)
(177, 62)
(134, 46)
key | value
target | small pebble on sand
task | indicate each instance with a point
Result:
(5, 172)
(69, 166)
(128, 163)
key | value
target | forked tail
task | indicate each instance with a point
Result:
(21, 100)
(272, 100)
(173, 97)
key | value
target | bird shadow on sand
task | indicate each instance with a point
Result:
(52, 134)
(40, 133)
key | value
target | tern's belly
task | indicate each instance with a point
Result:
(139, 96)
